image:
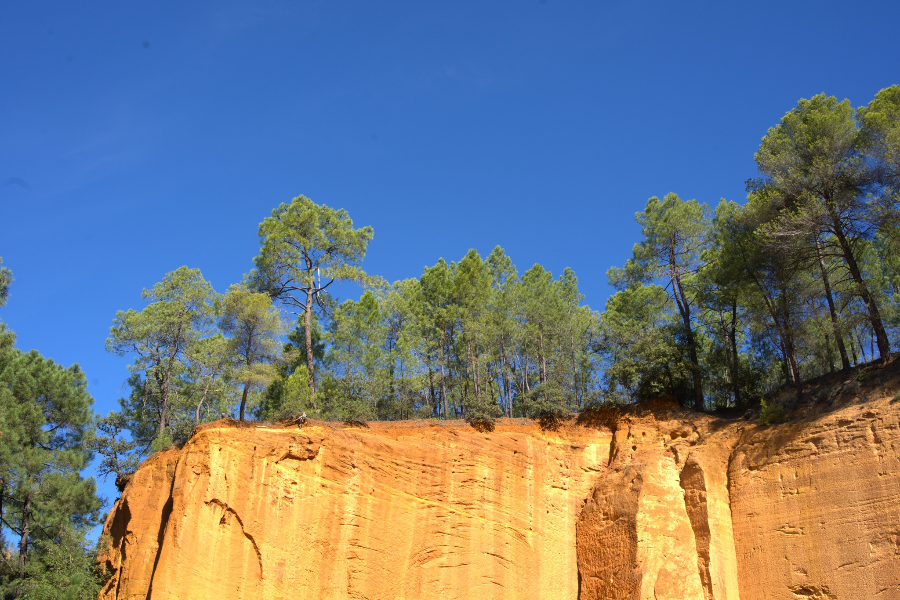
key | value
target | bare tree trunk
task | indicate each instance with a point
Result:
(574, 371)
(23, 542)
(473, 367)
(785, 369)
(507, 409)
(310, 363)
(542, 362)
(835, 325)
(685, 309)
(884, 345)
(735, 357)
(444, 384)
(163, 384)
(525, 381)
(431, 385)
(862, 348)
(202, 399)
(789, 347)
(244, 399)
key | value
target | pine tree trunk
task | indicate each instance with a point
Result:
(884, 345)
(685, 309)
(862, 349)
(542, 362)
(244, 400)
(853, 350)
(835, 325)
(473, 367)
(392, 368)
(23, 542)
(574, 371)
(789, 347)
(735, 357)
(443, 384)
(202, 399)
(163, 384)
(507, 408)
(431, 385)
(310, 363)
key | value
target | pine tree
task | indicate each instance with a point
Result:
(304, 244)
(675, 235)
(47, 422)
(183, 308)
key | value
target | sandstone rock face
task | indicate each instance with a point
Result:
(390, 511)
(816, 506)
(639, 504)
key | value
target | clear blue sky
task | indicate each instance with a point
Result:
(141, 136)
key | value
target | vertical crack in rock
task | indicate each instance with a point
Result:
(161, 534)
(228, 510)
(118, 539)
(694, 485)
(612, 444)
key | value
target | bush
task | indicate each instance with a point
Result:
(771, 413)
(296, 397)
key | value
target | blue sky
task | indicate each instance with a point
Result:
(141, 136)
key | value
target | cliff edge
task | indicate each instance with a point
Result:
(649, 502)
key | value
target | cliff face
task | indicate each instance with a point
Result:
(642, 504)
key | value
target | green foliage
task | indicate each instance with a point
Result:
(255, 328)
(880, 132)
(293, 356)
(820, 183)
(304, 243)
(297, 397)
(772, 412)
(47, 425)
(467, 340)
(639, 339)
(66, 571)
(120, 456)
(6, 280)
(675, 234)
(182, 309)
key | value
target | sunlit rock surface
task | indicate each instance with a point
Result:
(648, 503)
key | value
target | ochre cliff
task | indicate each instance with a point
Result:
(645, 503)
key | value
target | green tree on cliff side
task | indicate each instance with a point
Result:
(255, 327)
(284, 399)
(675, 234)
(45, 504)
(814, 157)
(183, 308)
(305, 248)
(639, 340)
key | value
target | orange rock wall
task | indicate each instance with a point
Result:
(391, 511)
(661, 505)
(816, 506)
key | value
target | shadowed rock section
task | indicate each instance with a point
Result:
(694, 485)
(607, 535)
